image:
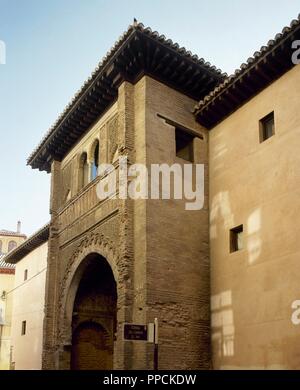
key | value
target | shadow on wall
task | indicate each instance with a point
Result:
(220, 150)
(222, 219)
(254, 242)
(222, 324)
(221, 208)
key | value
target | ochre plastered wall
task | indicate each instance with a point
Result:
(28, 298)
(257, 185)
(6, 305)
(7, 277)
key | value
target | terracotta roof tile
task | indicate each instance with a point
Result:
(88, 83)
(246, 66)
(5, 265)
(11, 233)
(34, 241)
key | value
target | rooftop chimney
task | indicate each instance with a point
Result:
(19, 227)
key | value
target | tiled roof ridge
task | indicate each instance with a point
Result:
(257, 55)
(3, 264)
(105, 60)
(34, 240)
(11, 233)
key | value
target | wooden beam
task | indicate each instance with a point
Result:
(186, 75)
(155, 57)
(262, 73)
(162, 63)
(170, 67)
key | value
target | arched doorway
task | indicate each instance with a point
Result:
(94, 316)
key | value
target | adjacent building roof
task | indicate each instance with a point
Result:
(11, 233)
(138, 52)
(4, 265)
(34, 241)
(260, 70)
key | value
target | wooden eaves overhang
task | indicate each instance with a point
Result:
(37, 239)
(138, 52)
(263, 68)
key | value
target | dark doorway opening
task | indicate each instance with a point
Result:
(94, 317)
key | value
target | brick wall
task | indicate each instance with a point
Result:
(91, 349)
(160, 265)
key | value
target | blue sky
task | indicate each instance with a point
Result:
(52, 47)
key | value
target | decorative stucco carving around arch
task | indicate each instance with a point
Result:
(91, 149)
(93, 243)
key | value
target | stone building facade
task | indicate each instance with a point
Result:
(117, 261)
(146, 277)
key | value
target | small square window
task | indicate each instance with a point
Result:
(184, 145)
(25, 274)
(236, 239)
(23, 330)
(267, 127)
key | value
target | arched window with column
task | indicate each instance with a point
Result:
(11, 245)
(83, 171)
(95, 160)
